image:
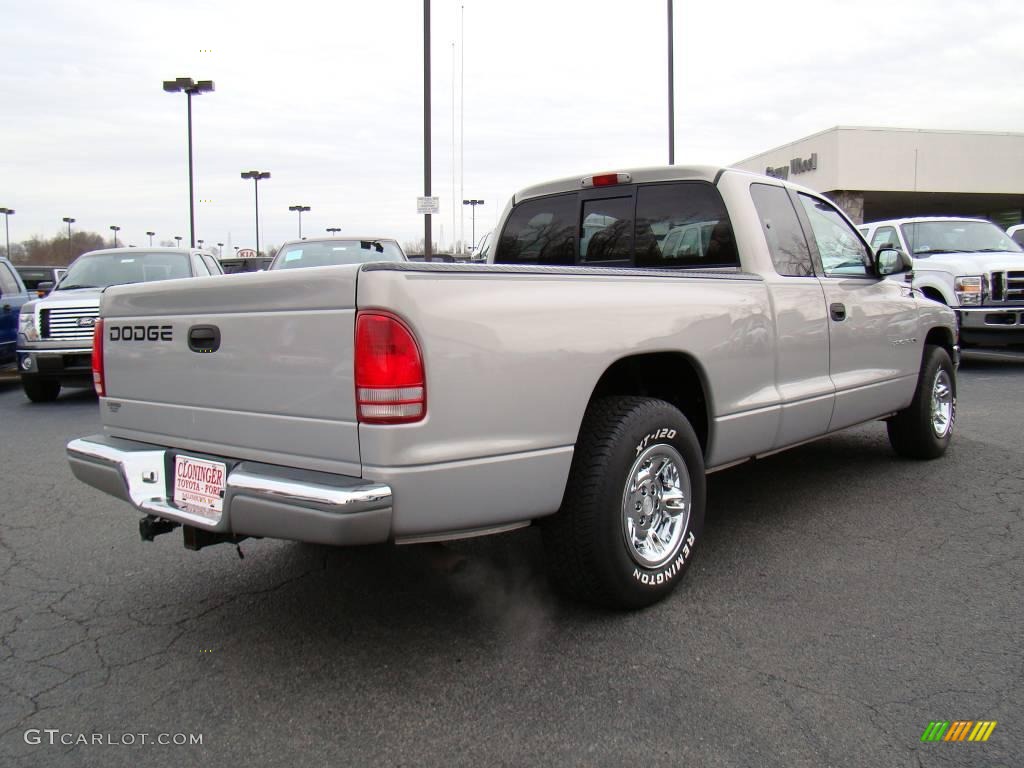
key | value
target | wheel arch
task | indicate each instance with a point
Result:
(940, 336)
(674, 377)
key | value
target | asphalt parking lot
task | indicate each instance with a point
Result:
(842, 600)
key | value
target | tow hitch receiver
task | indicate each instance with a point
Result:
(197, 538)
(152, 526)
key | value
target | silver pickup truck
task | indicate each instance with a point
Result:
(586, 380)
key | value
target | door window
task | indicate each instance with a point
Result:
(885, 237)
(8, 284)
(843, 253)
(786, 242)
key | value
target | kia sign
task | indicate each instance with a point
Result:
(245, 253)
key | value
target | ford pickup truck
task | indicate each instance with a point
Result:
(55, 333)
(586, 387)
(968, 264)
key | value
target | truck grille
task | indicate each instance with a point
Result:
(1008, 286)
(75, 323)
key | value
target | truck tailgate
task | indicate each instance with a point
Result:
(279, 386)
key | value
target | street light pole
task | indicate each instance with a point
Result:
(256, 176)
(427, 245)
(473, 204)
(671, 93)
(69, 221)
(334, 230)
(178, 238)
(7, 212)
(115, 229)
(300, 209)
(190, 87)
(151, 238)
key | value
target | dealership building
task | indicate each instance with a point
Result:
(885, 173)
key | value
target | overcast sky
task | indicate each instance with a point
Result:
(328, 98)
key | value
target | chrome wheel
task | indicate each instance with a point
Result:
(656, 506)
(943, 404)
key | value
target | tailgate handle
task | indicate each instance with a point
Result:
(204, 338)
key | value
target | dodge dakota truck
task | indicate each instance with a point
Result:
(585, 380)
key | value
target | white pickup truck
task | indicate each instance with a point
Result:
(586, 380)
(968, 264)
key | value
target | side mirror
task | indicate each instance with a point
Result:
(44, 287)
(892, 261)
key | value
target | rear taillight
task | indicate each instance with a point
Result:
(390, 385)
(97, 358)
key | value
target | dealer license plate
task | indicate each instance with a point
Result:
(199, 485)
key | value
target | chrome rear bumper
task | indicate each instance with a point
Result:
(259, 499)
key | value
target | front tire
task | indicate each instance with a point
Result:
(41, 390)
(633, 510)
(924, 429)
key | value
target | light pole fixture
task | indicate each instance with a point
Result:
(115, 229)
(178, 238)
(300, 209)
(69, 221)
(334, 230)
(220, 248)
(236, 248)
(151, 238)
(256, 176)
(200, 242)
(7, 212)
(473, 204)
(191, 88)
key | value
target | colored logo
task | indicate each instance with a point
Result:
(958, 730)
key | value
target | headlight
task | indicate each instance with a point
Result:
(968, 290)
(27, 326)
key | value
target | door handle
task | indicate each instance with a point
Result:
(838, 311)
(7, 308)
(204, 338)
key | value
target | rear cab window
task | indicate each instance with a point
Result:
(658, 225)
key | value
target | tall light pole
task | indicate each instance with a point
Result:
(671, 93)
(200, 242)
(220, 249)
(427, 245)
(151, 238)
(334, 230)
(473, 204)
(256, 176)
(115, 229)
(191, 88)
(178, 238)
(7, 212)
(300, 209)
(69, 221)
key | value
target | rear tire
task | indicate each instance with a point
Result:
(633, 510)
(924, 429)
(41, 390)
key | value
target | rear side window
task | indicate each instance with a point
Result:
(885, 237)
(683, 224)
(786, 242)
(540, 231)
(8, 285)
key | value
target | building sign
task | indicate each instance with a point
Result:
(796, 166)
(245, 253)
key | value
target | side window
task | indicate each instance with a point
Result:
(843, 254)
(540, 231)
(885, 237)
(199, 268)
(786, 242)
(8, 285)
(684, 224)
(606, 231)
(213, 265)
